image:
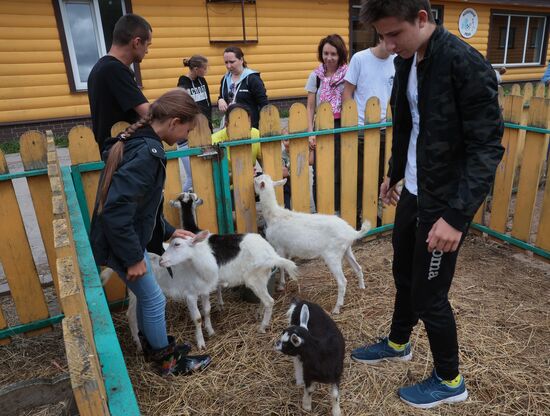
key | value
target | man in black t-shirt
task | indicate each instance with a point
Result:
(112, 88)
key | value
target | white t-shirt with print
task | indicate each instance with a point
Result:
(412, 95)
(372, 77)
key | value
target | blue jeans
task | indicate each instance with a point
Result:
(151, 304)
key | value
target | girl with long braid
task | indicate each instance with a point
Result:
(128, 221)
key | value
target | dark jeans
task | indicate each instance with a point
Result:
(422, 280)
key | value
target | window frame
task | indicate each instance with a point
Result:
(67, 46)
(509, 14)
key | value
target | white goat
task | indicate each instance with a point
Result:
(309, 236)
(185, 284)
(229, 260)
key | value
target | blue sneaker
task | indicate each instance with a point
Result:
(431, 392)
(373, 354)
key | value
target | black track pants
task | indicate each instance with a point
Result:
(422, 280)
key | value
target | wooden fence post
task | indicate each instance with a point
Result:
(349, 167)
(536, 145)
(3, 323)
(324, 119)
(299, 159)
(506, 170)
(17, 261)
(242, 171)
(270, 125)
(33, 152)
(371, 162)
(388, 212)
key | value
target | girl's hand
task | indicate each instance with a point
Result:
(136, 271)
(181, 233)
(312, 142)
(222, 105)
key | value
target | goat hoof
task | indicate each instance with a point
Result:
(361, 286)
(261, 330)
(280, 288)
(336, 310)
(299, 383)
(211, 333)
(306, 407)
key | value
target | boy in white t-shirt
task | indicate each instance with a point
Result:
(370, 74)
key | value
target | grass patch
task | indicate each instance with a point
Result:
(12, 146)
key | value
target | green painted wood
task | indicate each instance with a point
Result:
(26, 174)
(120, 393)
(31, 326)
(226, 193)
(218, 191)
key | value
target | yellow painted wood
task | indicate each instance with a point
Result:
(501, 96)
(504, 179)
(34, 156)
(82, 149)
(17, 261)
(388, 212)
(86, 380)
(172, 188)
(527, 91)
(3, 323)
(543, 232)
(479, 217)
(349, 173)
(270, 125)
(118, 128)
(535, 150)
(516, 90)
(371, 162)
(540, 89)
(299, 159)
(324, 119)
(203, 181)
(242, 172)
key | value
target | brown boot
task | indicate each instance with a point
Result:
(184, 348)
(171, 361)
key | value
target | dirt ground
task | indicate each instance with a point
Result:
(502, 303)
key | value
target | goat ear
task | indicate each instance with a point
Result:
(200, 237)
(279, 183)
(296, 340)
(262, 185)
(304, 316)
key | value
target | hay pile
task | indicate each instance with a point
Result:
(503, 315)
(502, 303)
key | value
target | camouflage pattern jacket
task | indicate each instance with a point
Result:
(458, 146)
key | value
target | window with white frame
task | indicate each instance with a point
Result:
(517, 39)
(88, 28)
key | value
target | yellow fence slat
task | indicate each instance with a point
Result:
(504, 179)
(388, 213)
(172, 188)
(242, 172)
(516, 89)
(118, 128)
(540, 88)
(270, 125)
(3, 323)
(83, 149)
(534, 153)
(203, 180)
(324, 119)
(349, 166)
(17, 261)
(371, 162)
(34, 156)
(299, 159)
(543, 232)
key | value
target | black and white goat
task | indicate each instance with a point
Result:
(229, 260)
(187, 203)
(309, 236)
(317, 347)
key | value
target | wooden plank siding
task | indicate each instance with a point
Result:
(34, 84)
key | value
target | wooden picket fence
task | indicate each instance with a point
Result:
(229, 206)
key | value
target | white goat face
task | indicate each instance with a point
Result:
(264, 181)
(178, 251)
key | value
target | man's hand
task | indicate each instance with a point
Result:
(181, 233)
(389, 195)
(136, 271)
(443, 237)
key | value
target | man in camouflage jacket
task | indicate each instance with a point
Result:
(446, 146)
